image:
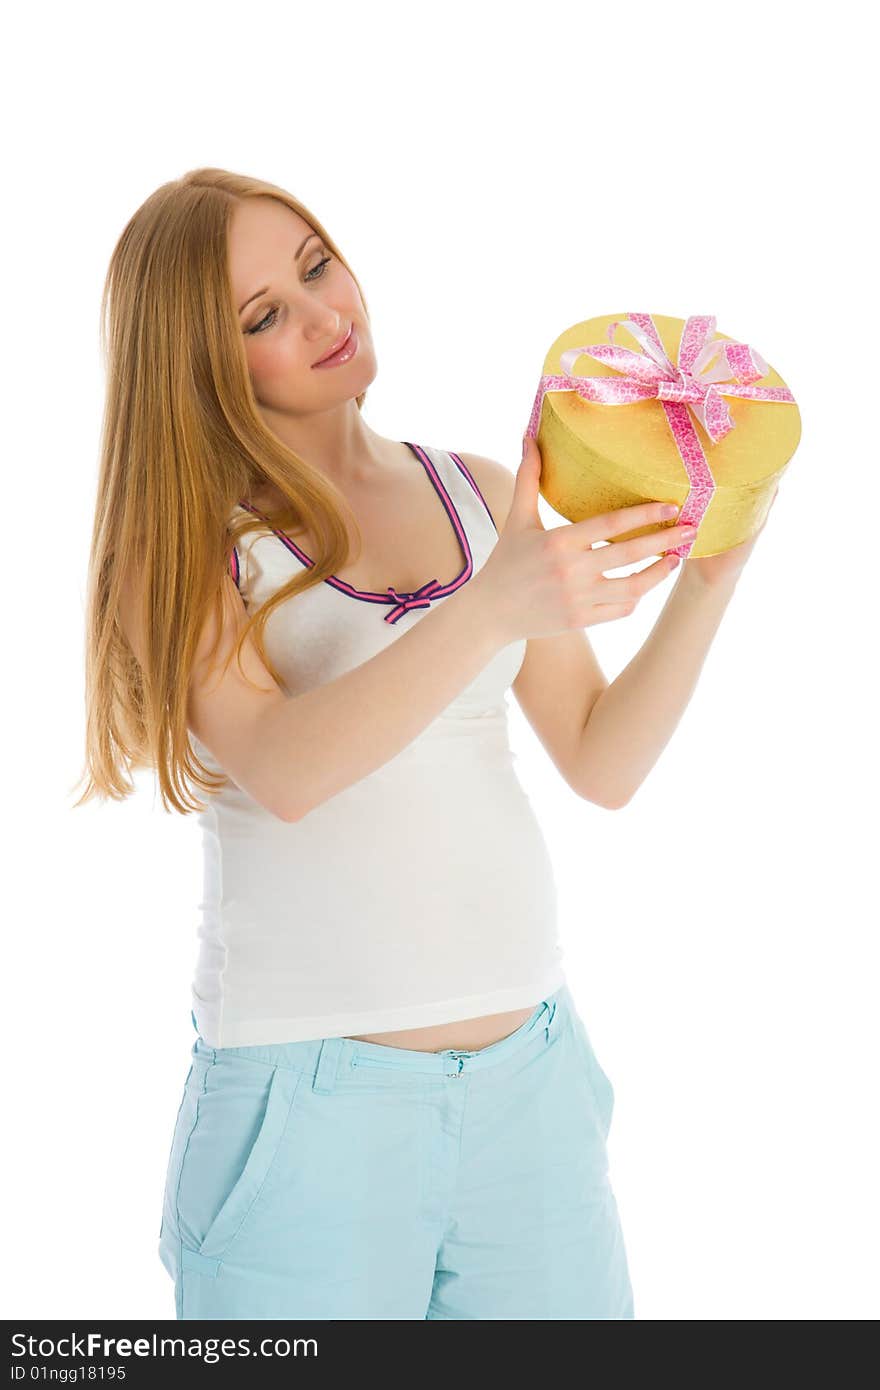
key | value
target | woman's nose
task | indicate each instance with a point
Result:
(324, 329)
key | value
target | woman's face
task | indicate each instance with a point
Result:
(293, 305)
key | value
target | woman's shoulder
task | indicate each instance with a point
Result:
(494, 481)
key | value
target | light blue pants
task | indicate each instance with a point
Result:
(341, 1179)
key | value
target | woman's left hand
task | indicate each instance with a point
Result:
(726, 567)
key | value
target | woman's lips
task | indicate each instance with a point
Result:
(342, 354)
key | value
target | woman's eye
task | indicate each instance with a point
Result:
(258, 327)
(317, 272)
(319, 266)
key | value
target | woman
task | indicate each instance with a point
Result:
(393, 1108)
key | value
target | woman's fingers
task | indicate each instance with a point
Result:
(629, 588)
(598, 528)
(608, 524)
(619, 553)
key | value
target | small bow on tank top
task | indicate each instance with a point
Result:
(419, 598)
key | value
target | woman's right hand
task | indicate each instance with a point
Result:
(539, 582)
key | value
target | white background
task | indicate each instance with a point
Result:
(492, 178)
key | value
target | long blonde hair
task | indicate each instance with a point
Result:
(182, 442)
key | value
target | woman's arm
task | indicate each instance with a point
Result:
(291, 753)
(605, 738)
(333, 735)
(631, 721)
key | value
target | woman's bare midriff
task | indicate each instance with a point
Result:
(467, 1035)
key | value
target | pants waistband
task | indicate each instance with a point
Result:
(328, 1059)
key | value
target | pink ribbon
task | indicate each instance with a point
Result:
(419, 598)
(696, 384)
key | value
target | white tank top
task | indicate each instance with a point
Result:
(422, 894)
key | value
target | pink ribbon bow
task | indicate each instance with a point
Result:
(419, 598)
(696, 384)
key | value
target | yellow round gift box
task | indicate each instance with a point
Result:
(599, 458)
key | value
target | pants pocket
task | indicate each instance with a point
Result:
(599, 1084)
(239, 1120)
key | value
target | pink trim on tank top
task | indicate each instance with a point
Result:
(235, 568)
(467, 473)
(400, 602)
